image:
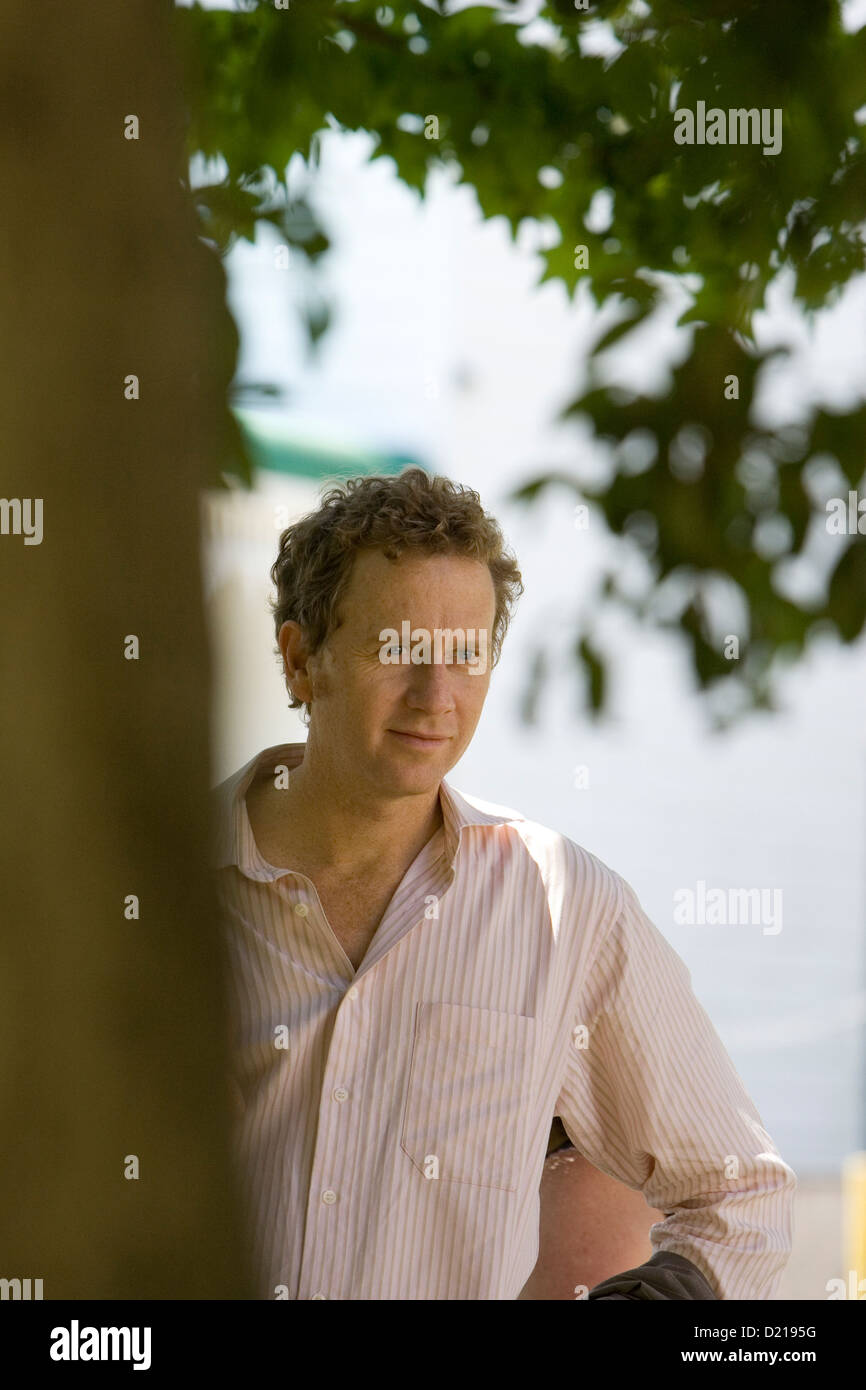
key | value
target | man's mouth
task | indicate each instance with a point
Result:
(419, 740)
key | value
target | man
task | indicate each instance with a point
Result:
(422, 981)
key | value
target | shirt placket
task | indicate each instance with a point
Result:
(327, 1228)
(330, 1221)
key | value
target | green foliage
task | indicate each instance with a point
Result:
(721, 221)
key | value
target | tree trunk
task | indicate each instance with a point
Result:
(112, 1034)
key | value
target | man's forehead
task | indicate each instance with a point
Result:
(374, 627)
(417, 567)
(392, 597)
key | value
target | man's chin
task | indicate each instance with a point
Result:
(403, 767)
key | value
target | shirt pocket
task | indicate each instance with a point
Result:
(468, 1095)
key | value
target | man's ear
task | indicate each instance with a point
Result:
(296, 658)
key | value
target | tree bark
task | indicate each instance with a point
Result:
(112, 1033)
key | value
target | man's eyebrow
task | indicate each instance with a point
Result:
(372, 638)
(373, 631)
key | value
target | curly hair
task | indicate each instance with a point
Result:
(408, 511)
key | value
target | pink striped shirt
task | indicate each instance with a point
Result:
(393, 1121)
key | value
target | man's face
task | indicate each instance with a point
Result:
(365, 709)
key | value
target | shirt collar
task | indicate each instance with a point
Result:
(233, 838)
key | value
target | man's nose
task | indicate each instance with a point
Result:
(430, 686)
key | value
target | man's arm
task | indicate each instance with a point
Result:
(653, 1099)
(591, 1227)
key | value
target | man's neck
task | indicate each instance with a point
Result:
(322, 825)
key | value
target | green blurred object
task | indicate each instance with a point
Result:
(274, 443)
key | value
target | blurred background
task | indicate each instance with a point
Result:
(250, 248)
(434, 338)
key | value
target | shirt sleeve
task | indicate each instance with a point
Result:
(651, 1097)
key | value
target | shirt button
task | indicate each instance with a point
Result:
(301, 910)
(329, 1197)
(341, 1093)
(352, 993)
(318, 1295)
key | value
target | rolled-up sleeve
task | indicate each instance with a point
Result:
(651, 1097)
